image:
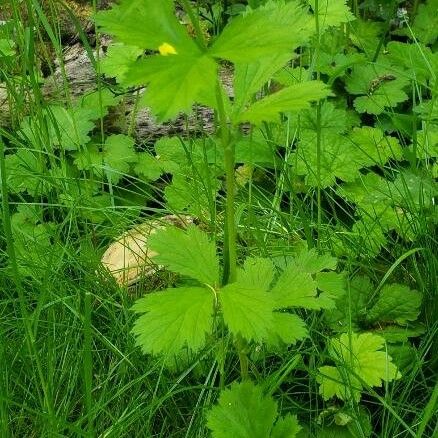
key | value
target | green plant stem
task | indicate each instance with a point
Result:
(230, 253)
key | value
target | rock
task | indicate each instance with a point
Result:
(129, 258)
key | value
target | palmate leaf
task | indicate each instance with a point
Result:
(373, 147)
(252, 36)
(378, 87)
(293, 98)
(244, 411)
(174, 319)
(359, 363)
(187, 252)
(339, 159)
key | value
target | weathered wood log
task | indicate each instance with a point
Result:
(76, 76)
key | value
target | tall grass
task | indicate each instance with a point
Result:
(68, 363)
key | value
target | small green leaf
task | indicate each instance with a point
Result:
(118, 155)
(117, 60)
(148, 166)
(244, 411)
(332, 283)
(250, 77)
(426, 22)
(312, 262)
(247, 311)
(395, 303)
(339, 159)
(174, 319)
(332, 13)
(294, 98)
(359, 363)
(187, 252)
(380, 87)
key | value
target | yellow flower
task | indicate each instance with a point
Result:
(167, 49)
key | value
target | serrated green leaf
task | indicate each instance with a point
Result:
(294, 98)
(348, 314)
(247, 311)
(287, 329)
(70, 128)
(339, 159)
(24, 172)
(395, 303)
(332, 283)
(257, 272)
(118, 155)
(332, 13)
(98, 102)
(175, 82)
(286, 427)
(311, 262)
(359, 363)
(296, 288)
(174, 319)
(148, 166)
(243, 411)
(145, 24)
(373, 147)
(381, 87)
(187, 252)
(249, 78)
(251, 37)
(117, 60)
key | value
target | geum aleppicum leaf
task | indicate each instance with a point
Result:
(187, 252)
(331, 13)
(378, 87)
(244, 411)
(275, 28)
(360, 363)
(146, 24)
(175, 82)
(180, 75)
(174, 319)
(293, 98)
(395, 303)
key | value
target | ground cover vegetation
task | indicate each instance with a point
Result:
(301, 298)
